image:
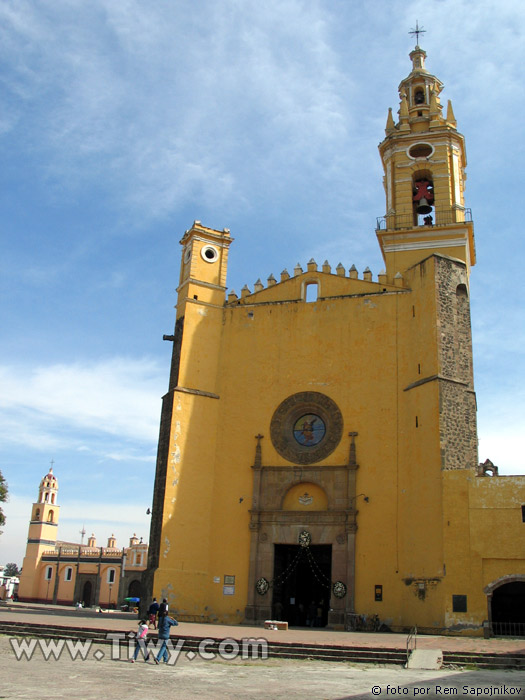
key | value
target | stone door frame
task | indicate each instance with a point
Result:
(270, 525)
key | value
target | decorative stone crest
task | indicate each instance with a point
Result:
(306, 427)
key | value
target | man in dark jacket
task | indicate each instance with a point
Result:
(152, 613)
(165, 625)
(163, 608)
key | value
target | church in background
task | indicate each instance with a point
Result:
(317, 458)
(67, 573)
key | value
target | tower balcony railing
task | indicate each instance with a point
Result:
(437, 217)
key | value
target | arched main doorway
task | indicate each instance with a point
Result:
(508, 609)
(87, 592)
(135, 589)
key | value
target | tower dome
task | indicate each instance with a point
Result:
(48, 489)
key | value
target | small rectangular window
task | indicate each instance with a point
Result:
(311, 292)
(378, 593)
(523, 514)
(459, 603)
(69, 574)
(49, 573)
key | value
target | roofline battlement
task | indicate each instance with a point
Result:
(312, 275)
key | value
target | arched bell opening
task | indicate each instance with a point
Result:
(423, 198)
(419, 96)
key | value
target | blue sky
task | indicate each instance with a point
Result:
(123, 121)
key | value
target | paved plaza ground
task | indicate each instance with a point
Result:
(271, 679)
(105, 674)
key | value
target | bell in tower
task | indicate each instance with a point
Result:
(423, 196)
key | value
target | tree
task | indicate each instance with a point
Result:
(11, 569)
(3, 498)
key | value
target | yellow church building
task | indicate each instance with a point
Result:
(68, 573)
(317, 456)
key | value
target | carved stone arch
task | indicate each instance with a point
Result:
(508, 578)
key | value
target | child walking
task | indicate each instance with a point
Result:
(140, 638)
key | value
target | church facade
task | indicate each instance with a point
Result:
(317, 456)
(67, 573)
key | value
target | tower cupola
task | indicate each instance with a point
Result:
(48, 489)
(419, 96)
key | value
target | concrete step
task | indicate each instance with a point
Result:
(290, 650)
(484, 659)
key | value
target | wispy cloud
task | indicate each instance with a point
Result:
(120, 396)
(262, 74)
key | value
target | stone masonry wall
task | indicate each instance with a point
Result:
(458, 431)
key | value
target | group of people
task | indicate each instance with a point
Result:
(157, 614)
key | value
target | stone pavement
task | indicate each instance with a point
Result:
(62, 615)
(106, 672)
(270, 679)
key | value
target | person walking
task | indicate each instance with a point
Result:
(165, 625)
(163, 608)
(140, 638)
(152, 613)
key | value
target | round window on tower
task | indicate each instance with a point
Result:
(420, 150)
(209, 253)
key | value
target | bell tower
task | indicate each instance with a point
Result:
(424, 161)
(42, 535)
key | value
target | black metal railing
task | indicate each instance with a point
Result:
(437, 217)
(508, 629)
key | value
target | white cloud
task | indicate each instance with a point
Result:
(122, 105)
(120, 396)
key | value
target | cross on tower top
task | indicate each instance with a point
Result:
(417, 31)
